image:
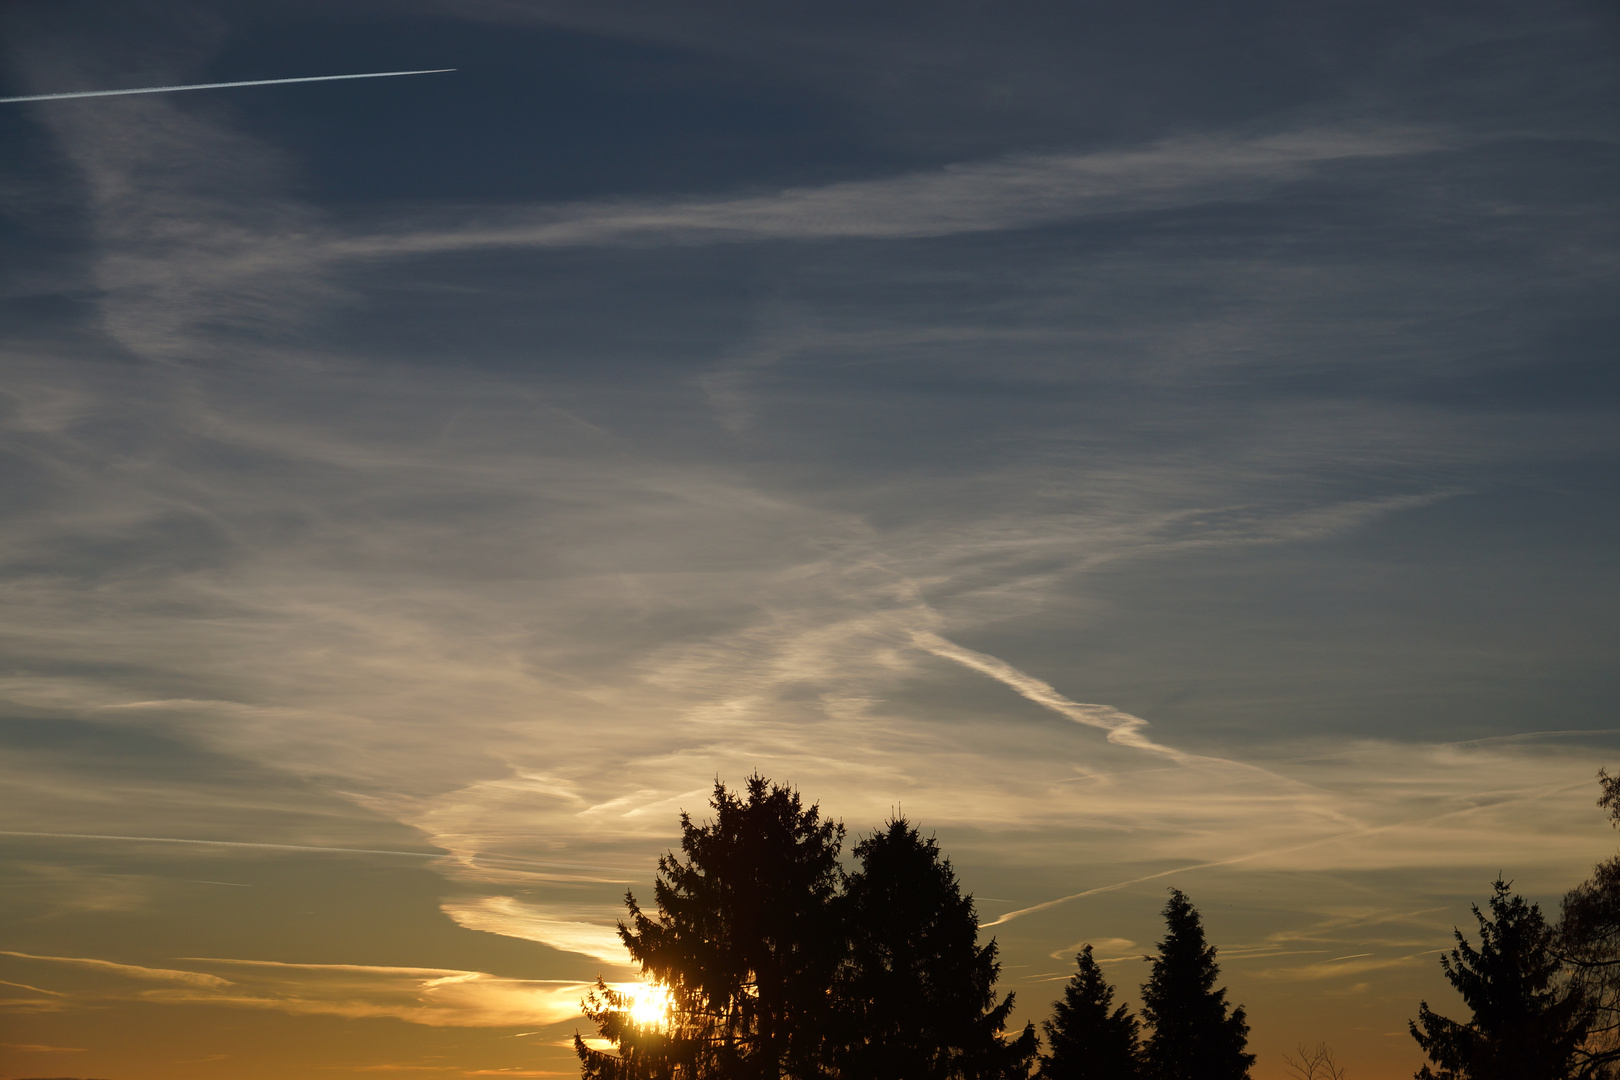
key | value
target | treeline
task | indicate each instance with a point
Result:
(780, 964)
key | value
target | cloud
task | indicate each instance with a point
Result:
(130, 971)
(25, 986)
(1012, 193)
(247, 844)
(199, 251)
(1102, 947)
(1122, 728)
(1343, 968)
(191, 233)
(1370, 845)
(513, 918)
(433, 997)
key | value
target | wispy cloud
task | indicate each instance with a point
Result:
(245, 844)
(434, 997)
(1103, 945)
(1350, 849)
(31, 989)
(197, 244)
(1342, 968)
(130, 971)
(1012, 193)
(513, 918)
(1122, 728)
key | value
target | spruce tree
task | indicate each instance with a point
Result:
(1193, 1036)
(917, 997)
(1527, 1024)
(744, 940)
(1089, 1039)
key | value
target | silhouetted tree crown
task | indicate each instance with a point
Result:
(1088, 1038)
(1193, 1035)
(1526, 1025)
(1588, 939)
(744, 940)
(780, 967)
(917, 994)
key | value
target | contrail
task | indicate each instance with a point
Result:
(218, 85)
(1368, 830)
(473, 857)
(224, 843)
(1123, 728)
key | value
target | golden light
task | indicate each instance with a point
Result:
(649, 1003)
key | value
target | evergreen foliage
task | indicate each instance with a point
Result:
(781, 967)
(744, 941)
(1088, 1037)
(1589, 945)
(917, 996)
(1193, 1036)
(666, 1050)
(1526, 1023)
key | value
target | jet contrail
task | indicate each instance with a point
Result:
(509, 860)
(217, 85)
(223, 843)
(1366, 830)
(1123, 728)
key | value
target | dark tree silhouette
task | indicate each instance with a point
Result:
(917, 992)
(1589, 945)
(745, 942)
(1314, 1063)
(1526, 1026)
(1193, 1036)
(1089, 1038)
(672, 1049)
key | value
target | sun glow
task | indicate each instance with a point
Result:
(649, 1003)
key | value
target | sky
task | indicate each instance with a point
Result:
(1147, 445)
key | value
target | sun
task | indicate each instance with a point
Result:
(649, 1003)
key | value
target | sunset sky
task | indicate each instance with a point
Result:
(1161, 444)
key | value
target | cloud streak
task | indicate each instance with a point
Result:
(130, 971)
(1123, 728)
(1012, 193)
(513, 918)
(432, 997)
(1495, 804)
(245, 844)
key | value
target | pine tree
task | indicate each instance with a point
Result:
(1193, 1036)
(1087, 1040)
(745, 942)
(917, 993)
(1526, 1024)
